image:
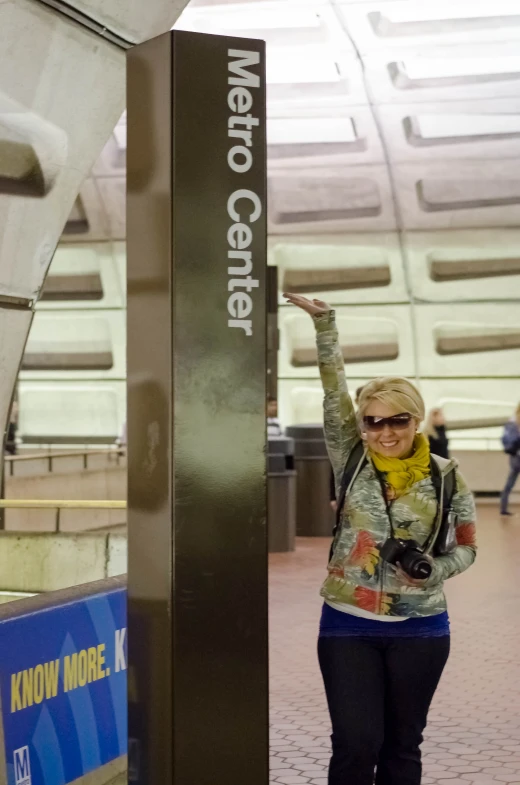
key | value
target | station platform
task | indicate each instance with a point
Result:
(474, 730)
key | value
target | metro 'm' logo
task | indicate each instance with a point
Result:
(22, 766)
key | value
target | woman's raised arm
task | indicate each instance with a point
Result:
(340, 424)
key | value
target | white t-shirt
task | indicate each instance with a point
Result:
(353, 611)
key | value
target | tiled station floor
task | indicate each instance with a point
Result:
(474, 729)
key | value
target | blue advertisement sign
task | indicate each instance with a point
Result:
(63, 680)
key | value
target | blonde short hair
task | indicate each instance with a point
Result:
(397, 393)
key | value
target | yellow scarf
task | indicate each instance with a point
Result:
(402, 473)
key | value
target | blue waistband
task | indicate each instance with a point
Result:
(337, 624)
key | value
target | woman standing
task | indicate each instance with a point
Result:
(384, 635)
(435, 430)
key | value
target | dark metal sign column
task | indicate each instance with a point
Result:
(196, 233)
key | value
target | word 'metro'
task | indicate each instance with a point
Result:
(243, 205)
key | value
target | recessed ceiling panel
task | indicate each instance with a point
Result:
(452, 130)
(278, 24)
(71, 412)
(341, 269)
(77, 222)
(292, 200)
(438, 21)
(464, 265)
(72, 287)
(333, 279)
(454, 338)
(374, 340)
(293, 138)
(444, 73)
(321, 138)
(91, 274)
(70, 345)
(432, 72)
(441, 195)
(469, 269)
(88, 220)
(330, 200)
(398, 24)
(469, 340)
(314, 75)
(459, 194)
(428, 130)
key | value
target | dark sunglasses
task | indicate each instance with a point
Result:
(397, 422)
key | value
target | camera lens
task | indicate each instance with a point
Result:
(416, 566)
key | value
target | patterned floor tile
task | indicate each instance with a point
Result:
(474, 730)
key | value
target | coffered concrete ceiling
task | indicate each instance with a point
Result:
(394, 192)
(382, 116)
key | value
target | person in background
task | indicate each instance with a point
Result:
(333, 502)
(10, 442)
(435, 430)
(511, 443)
(273, 423)
(384, 633)
(121, 439)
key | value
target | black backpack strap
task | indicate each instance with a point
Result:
(447, 496)
(355, 457)
(449, 484)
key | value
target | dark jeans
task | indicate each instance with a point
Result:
(379, 691)
(510, 484)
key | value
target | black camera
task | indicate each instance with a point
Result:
(409, 555)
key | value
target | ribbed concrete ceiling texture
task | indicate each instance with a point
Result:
(383, 116)
(394, 189)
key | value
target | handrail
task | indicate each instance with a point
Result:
(50, 456)
(62, 504)
(34, 456)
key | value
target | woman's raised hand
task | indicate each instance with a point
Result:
(312, 307)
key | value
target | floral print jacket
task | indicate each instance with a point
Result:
(356, 574)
